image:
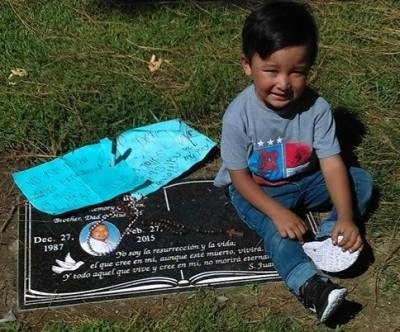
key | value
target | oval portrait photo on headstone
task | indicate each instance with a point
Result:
(99, 238)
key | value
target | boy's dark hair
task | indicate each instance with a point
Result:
(279, 24)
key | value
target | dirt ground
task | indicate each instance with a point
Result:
(371, 307)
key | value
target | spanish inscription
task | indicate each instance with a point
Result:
(186, 235)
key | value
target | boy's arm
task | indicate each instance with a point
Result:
(338, 185)
(287, 222)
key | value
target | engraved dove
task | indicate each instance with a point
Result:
(69, 264)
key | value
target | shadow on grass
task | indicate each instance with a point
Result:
(346, 312)
(350, 132)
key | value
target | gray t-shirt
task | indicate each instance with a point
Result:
(275, 145)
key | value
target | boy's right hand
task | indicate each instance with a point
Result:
(290, 225)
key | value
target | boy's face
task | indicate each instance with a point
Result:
(280, 78)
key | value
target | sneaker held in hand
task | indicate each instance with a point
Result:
(328, 257)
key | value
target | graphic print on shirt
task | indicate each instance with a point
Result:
(278, 161)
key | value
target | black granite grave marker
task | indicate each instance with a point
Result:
(188, 236)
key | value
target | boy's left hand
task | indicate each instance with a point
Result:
(351, 240)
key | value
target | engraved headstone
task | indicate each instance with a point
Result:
(184, 236)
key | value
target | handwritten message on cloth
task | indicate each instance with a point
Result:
(80, 178)
(146, 158)
(162, 151)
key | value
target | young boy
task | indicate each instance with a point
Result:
(274, 135)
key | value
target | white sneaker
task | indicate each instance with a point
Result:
(328, 257)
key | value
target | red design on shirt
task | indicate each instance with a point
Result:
(297, 154)
(268, 160)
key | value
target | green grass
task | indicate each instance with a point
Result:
(201, 313)
(88, 78)
(88, 73)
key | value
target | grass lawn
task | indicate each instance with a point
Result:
(87, 77)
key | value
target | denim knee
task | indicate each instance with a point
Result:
(289, 259)
(284, 252)
(272, 241)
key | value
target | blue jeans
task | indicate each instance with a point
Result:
(309, 192)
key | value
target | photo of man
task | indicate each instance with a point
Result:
(99, 238)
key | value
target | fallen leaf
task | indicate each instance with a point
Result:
(19, 72)
(8, 317)
(220, 303)
(232, 232)
(221, 300)
(154, 63)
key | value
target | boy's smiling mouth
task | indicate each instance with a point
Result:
(281, 96)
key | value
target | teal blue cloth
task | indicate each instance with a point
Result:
(80, 178)
(147, 158)
(162, 151)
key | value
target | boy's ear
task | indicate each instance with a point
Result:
(245, 65)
